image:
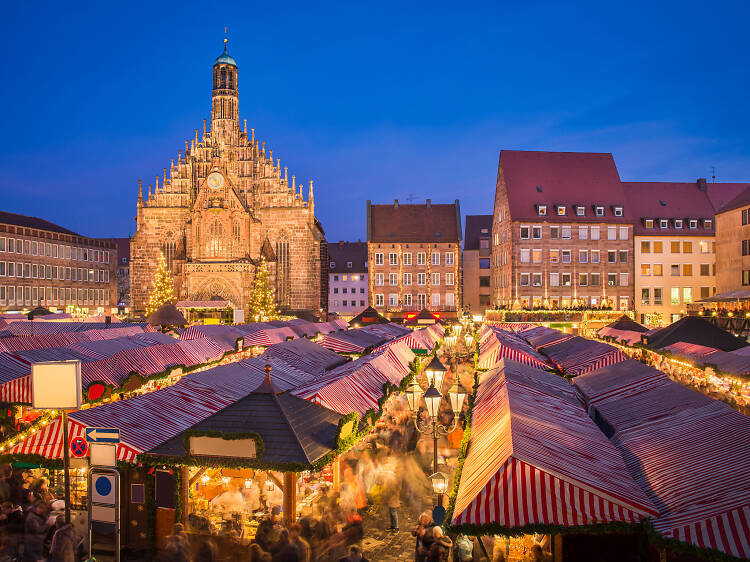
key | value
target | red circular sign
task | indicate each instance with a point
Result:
(78, 447)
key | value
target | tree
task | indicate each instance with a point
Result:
(163, 288)
(263, 300)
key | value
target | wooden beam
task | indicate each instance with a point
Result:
(290, 498)
(198, 474)
(185, 491)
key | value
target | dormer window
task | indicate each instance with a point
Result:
(599, 210)
(580, 211)
(348, 265)
(708, 223)
(648, 223)
(541, 210)
(484, 231)
(561, 210)
(678, 223)
(617, 210)
(663, 223)
(332, 264)
(693, 223)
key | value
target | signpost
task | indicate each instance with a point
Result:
(104, 482)
(78, 447)
(56, 385)
(102, 435)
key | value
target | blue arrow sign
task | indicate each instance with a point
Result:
(102, 435)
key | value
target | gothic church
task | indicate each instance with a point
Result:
(221, 206)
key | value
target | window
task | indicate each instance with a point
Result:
(392, 258)
(565, 279)
(663, 223)
(554, 279)
(674, 270)
(674, 295)
(541, 210)
(705, 269)
(583, 256)
(524, 280)
(623, 230)
(450, 256)
(705, 292)
(583, 233)
(704, 246)
(646, 269)
(708, 223)
(693, 224)
(378, 258)
(421, 258)
(536, 256)
(554, 232)
(623, 279)
(646, 296)
(332, 264)
(449, 280)
(599, 210)
(525, 233)
(27, 248)
(645, 247)
(595, 233)
(595, 279)
(658, 270)
(687, 295)
(566, 256)
(617, 211)
(484, 263)
(612, 279)
(421, 279)
(674, 247)
(611, 256)
(348, 265)
(566, 233)
(392, 299)
(658, 291)
(687, 247)
(687, 269)
(435, 299)
(583, 279)
(393, 279)
(11, 244)
(407, 278)
(595, 256)
(678, 223)
(525, 255)
(435, 279)
(561, 210)
(407, 300)
(450, 302)
(536, 232)
(658, 247)
(536, 279)
(406, 258)
(2, 244)
(379, 300)
(435, 258)
(648, 223)
(580, 211)
(611, 233)
(623, 256)
(379, 280)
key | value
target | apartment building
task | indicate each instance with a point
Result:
(414, 258)
(733, 243)
(476, 263)
(562, 233)
(123, 271)
(675, 259)
(347, 278)
(43, 264)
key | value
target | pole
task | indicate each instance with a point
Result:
(434, 447)
(66, 464)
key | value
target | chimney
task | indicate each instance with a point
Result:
(395, 203)
(429, 203)
(701, 184)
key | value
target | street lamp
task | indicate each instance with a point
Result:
(439, 483)
(468, 339)
(435, 373)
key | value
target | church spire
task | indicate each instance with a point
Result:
(225, 119)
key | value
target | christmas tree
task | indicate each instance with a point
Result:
(163, 289)
(263, 300)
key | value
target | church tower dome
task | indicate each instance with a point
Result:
(225, 117)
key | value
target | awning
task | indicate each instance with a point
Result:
(729, 296)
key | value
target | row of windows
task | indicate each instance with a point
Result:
(421, 258)
(35, 248)
(27, 295)
(448, 299)
(534, 232)
(536, 255)
(657, 269)
(579, 210)
(448, 278)
(564, 302)
(347, 303)
(692, 224)
(349, 278)
(745, 216)
(674, 295)
(41, 271)
(677, 246)
(566, 279)
(344, 290)
(349, 265)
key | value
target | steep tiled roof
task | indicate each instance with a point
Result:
(562, 178)
(33, 222)
(342, 252)
(473, 231)
(414, 223)
(724, 195)
(669, 200)
(741, 199)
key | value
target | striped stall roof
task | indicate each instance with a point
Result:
(576, 355)
(21, 343)
(27, 328)
(541, 336)
(535, 458)
(506, 345)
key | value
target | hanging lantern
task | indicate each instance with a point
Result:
(414, 394)
(457, 395)
(439, 483)
(432, 400)
(435, 373)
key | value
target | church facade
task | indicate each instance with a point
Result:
(221, 206)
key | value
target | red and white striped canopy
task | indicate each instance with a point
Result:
(536, 458)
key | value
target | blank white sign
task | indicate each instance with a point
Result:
(56, 385)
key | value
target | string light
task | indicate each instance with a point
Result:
(163, 288)
(263, 300)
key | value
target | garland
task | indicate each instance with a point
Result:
(684, 547)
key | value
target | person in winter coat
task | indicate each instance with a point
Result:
(440, 548)
(35, 529)
(63, 542)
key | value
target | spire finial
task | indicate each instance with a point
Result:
(226, 40)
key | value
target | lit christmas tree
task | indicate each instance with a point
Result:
(263, 300)
(163, 288)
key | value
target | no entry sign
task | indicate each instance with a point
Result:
(78, 447)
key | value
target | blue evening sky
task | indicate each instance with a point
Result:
(372, 100)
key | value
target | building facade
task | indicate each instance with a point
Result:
(43, 264)
(347, 278)
(733, 243)
(414, 258)
(224, 204)
(562, 233)
(476, 263)
(123, 272)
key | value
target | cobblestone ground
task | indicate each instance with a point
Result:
(380, 545)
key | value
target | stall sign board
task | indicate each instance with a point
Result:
(78, 447)
(103, 454)
(56, 385)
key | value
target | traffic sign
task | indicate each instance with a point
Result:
(102, 435)
(78, 447)
(103, 491)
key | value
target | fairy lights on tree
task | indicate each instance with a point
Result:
(163, 288)
(263, 300)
